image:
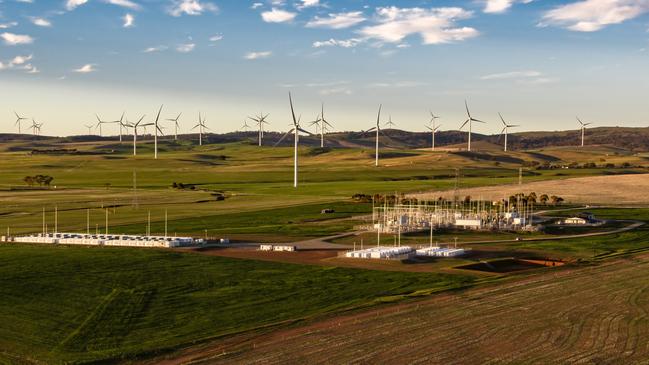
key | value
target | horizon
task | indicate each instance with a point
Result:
(540, 64)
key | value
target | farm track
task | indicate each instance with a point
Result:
(595, 314)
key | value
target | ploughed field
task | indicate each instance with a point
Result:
(594, 314)
(80, 304)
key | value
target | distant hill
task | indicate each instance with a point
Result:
(635, 139)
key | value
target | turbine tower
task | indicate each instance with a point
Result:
(378, 130)
(201, 125)
(176, 125)
(156, 130)
(433, 129)
(121, 124)
(296, 131)
(260, 120)
(583, 130)
(506, 129)
(135, 127)
(19, 120)
(99, 123)
(323, 126)
(470, 121)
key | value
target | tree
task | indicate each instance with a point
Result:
(29, 180)
(544, 199)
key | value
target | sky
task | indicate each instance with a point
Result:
(538, 62)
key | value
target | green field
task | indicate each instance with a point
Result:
(70, 304)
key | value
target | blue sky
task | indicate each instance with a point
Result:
(538, 62)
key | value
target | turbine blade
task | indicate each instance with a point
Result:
(283, 137)
(290, 100)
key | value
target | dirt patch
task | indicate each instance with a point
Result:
(509, 265)
(615, 190)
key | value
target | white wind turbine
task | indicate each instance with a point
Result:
(121, 124)
(89, 126)
(296, 131)
(583, 130)
(201, 126)
(260, 120)
(176, 125)
(36, 127)
(470, 121)
(135, 126)
(156, 130)
(506, 129)
(321, 123)
(19, 120)
(245, 127)
(378, 130)
(433, 129)
(99, 123)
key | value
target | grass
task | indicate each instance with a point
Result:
(76, 304)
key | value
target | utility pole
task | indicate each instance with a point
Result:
(165, 222)
(88, 221)
(520, 176)
(43, 220)
(148, 224)
(56, 219)
(106, 221)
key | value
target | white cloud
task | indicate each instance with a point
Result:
(257, 55)
(277, 16)
(336, 91)
(15, 39)
(511, 75)
(72, 4)
(307, 4)
(216, 38)
(593, 15)
(41, 22)
(124, 3)
(129, 20)
(155, 49)
(8, 25)
(87, 68)
(501, 6)
(256, 5)
(435, 26)
(344, 43)
(337, 21)
(186, 47)
(20, 60)
(191, 7)
(31, 69)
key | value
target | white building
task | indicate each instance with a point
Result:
(106, 240)
(575, 221)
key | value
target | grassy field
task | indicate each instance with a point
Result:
(592, 315)
(251, 179)
(70, 304)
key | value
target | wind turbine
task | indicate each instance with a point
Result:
(121, 124)
(175, 125)
(322, 125)
(389, 124)
(433, 129)
(36, 127)
(296, 131)
(135, 127)
(89, 126)
(200, 126)
(245, 126)
(470, 121)
(506, 129)
(378, 130)
(19, 119)
(583, 130)
(156, 130)
(260, 120)
(99, 123)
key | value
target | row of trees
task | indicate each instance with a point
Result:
(40, 180)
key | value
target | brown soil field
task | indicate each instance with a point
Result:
(590, 315)
(319, 257)
(610, 190)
